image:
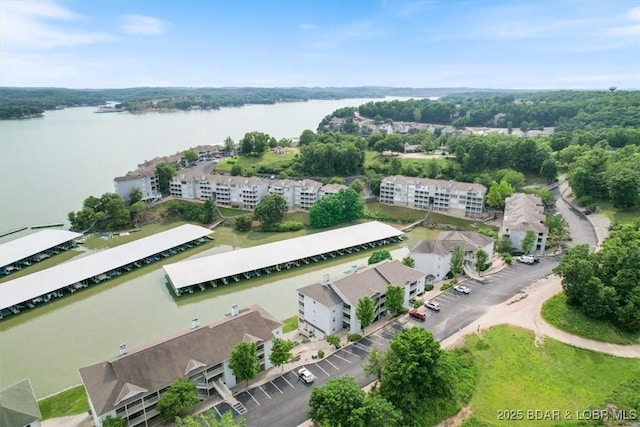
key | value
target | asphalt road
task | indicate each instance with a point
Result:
(284, 401)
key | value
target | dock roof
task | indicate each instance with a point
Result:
(201, 270)
(42, 282)
(24, 247)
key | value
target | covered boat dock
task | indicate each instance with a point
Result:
(42, 286)
(221, 269)
(19, 253)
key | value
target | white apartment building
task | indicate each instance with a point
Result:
(298, 194)
(328, 307)
(450, 197)
(144, 179)
(524, 212)
(433, 257)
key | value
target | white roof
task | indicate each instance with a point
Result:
(24, 247)
(200, 270)
(42, 282)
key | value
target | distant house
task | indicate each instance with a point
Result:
(524, 212)
(130, 386)
(433, 257)
(450, 197)
(330, 189)
(328, 307)
(18, 406)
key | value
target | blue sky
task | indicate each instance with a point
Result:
(278, 43)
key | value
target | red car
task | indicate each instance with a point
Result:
(417, 314)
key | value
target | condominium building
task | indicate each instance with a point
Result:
(524, 212)
(130, 385)
(450, 197)
(328, 307)
(300, 194)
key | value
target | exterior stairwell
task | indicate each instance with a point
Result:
(224, 391)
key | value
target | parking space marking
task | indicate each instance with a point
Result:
(387, 335)
(277, 388)
(363, 346)
(320, 367)
(251, 396)
(215, 408)
(350, 352)
(265, 393)
(284, 378)
(329, 362)
(377, 339)
(341, 358)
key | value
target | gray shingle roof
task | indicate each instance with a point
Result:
(446, 240)
(321, 293)
(157, 365)
(18, 405)
(524, 212)
(437, 183)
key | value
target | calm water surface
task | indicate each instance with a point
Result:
(49, 165)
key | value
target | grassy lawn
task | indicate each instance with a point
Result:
(42, 265)
(233, 212)
(393, 213)
(267, 158)
(69, 402)
(556, 311)
(461, 223)
(94, 241)
(302, 217)
(514, 374)
(617, 216)
(290, 324)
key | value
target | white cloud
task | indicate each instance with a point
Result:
(628, 30)
(307, 26)
(31, 26)
(145, 25)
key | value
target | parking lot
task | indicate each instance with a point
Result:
(287, 384)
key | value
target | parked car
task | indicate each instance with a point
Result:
(306, 376)
(527, 259)
(462, 289)
(432, 305)
(417, 314)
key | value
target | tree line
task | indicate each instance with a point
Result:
(564, 110)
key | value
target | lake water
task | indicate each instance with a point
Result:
(49, 165)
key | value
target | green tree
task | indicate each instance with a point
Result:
(345, 206)
(549, 170)
(135, 196)
(307, 137)
(376, 363)
(558, 229)
(498, 192)
(514, 178)
(178, 400)
(236, 170)
(457, 260)
(209, 213)
(244, 361)
(114, 422)
(379, 255)
(375, 411)
(481, 259)
(281, 352)
(336, 180)
(210, 419)
(365, 312)
(333, 340)
(395, 166)
(190, 156)
(243, 223)
(333, 403)
(504, 245)
(270, 210)
(624, 185)
(357, 186)
(528, 241)
(229, 146)
(413, 372)
(394, 299)
(165, 172)
(409, 261)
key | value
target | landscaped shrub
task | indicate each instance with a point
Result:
(417, 304)
(288, 226)
(354, 337)
(320, 354)
(428, 287)
(447, 285)
(508, 259)
(585, 200)
(333, 340)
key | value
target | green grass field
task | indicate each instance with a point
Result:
(69, 402)
(617, 216)
(267, 159)
(393, 213)
(290, 324)
(516, 375)
(557, 313)
(94, 241)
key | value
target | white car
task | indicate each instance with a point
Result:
(432, 305)
(462, 289)
(306, 376)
